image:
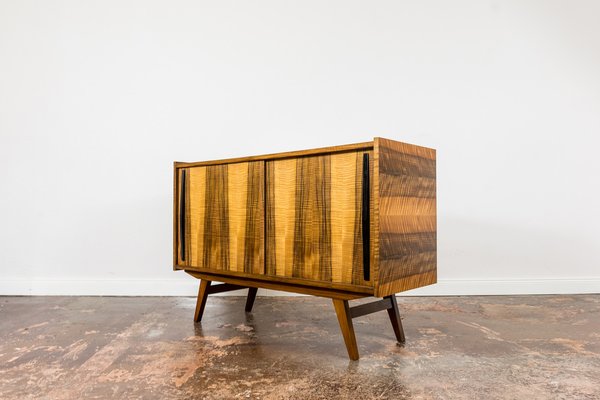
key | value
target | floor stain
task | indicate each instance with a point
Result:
(492, 347)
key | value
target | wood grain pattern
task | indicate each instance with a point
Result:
(407, 231)
(201, 299)
(314, 228)
(175, 216)
(365, 290)
(394, 314)
(285, 285)
(312, 222)
(296, 217)
(342, 311)
(353, 147)
(407, 283)
(224, 217)
(294, 222)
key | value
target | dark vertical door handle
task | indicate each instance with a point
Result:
(366, 219)
(182, 215)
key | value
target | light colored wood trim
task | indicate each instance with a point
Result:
(286, 287)
(366, 290)
(287, 154)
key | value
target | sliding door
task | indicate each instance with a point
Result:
(318, 218)
(220, 217)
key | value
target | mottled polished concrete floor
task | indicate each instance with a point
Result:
(519, 347)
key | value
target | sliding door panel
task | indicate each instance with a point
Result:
(315, 217)
(223, 223)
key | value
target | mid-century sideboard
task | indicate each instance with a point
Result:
(342, 222)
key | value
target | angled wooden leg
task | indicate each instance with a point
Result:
(394, 314)
(201, 302)
(343, 314)
(250, 299)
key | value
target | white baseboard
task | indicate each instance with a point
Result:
(189, 287)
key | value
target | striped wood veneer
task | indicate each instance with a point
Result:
(224, 217)
(295, 217)
(407, 216)
(314, 228)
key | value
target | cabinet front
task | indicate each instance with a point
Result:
(220, 218)
(318, 217)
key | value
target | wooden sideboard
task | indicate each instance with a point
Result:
(342, 222)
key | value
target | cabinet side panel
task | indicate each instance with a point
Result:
(407, 217)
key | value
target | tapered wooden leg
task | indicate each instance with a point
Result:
(394, 314)
(201, 302)
(250, 299)
(343, 314)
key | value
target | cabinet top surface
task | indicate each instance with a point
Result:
(287, 154)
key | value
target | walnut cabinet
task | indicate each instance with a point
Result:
(343, 222)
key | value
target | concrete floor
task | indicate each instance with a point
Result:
(519, 347)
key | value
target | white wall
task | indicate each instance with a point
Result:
(97, 98)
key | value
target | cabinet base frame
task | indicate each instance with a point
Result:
(340, 299)
(206, 288)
